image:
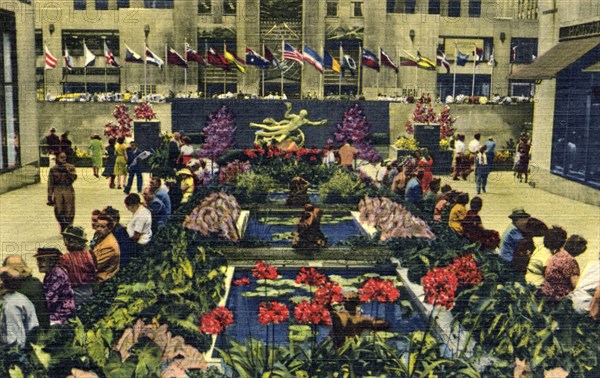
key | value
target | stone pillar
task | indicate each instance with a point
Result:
(186, 29)
(374, 38)
(313, 35)
(248, 35)
(217, 11)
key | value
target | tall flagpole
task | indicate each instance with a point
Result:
(473, 82)
(186, 68)
(105, 67)
(454, 76)
(282, 59)
(145, 69)
(224, 71)
(205, 66)
(84, 70)
(340, 78)
(378, 73)
(166, 69)
(263, 74)
(397, 73)
(358, 92)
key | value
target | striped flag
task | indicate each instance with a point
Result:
(175, 59)
(235, 60)
(68, 60)
(193, 55)
(255, 59)
(110, 57)
(50, 60)
(313, 58)
(386, 61)
(131, 56)
(331, 63)
(291, 53)
(152, 58)
(370, 60)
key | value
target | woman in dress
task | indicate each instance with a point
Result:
(562, 272)
(95, 147)
(186, 150)
(424, 161)
(522, 166)
(109, 168)
(120, 162)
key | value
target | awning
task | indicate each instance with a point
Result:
(556, 59)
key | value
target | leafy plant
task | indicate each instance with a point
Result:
(343, 187)
(254, 187)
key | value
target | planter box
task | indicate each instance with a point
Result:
(147, 137)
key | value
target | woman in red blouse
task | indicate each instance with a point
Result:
(562, 272)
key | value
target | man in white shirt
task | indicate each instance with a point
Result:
(475, 144)
(139, 228)
(583, 293)
(460, 160)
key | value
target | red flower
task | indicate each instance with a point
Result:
(378, 290)
(312, 312)
(330, 292)
(288, 155)
(241, 282)
(263, 271)
(272, 312)
(466, 271)
(251, 154)
(310, 277)
(215, 321)
(313, 158)
(440, 287)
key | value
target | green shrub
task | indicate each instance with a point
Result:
(252, 186)
(343, 187)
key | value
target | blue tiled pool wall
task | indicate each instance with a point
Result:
(277, 227)
(245, 309)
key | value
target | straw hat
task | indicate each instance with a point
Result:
(75, 232)
(184, 171)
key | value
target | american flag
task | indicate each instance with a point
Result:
(50, 60)
(291, 53)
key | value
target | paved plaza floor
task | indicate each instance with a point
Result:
(26, 222)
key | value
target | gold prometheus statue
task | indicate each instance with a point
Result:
(287, 128)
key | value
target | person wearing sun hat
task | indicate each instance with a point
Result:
(30, 287)
(187, 183)
(79, 264)
(512, 235)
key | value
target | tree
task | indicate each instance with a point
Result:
(355, 127)
(219, 133)
(424, 113)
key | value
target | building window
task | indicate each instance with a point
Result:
(401, 6)
(79, 4)
(357, 9)
(332, 9)
(9, 112)
(474, 8)
(229, 6)
(158, 4)
(101, 4)
(453, 8)
(122, 4)
(523, 50)
(204, 7)
(434, 6)
(39, 42)
(522, 88)
(94, 40)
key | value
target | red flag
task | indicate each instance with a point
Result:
(193, 55)
(386, 61)
(215, 59)
(50, 59)
(174, 58)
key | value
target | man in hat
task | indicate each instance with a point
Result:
(156, 207)
(53, 144)
(140, 226)
(512, 235)
(106, 252)
(61, 194)
(187, 184)
(60, 300)
(17, 314)
(414, 189)
(79, 264)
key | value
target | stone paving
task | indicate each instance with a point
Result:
(26, 223)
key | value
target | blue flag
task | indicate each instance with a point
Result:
(461, 59)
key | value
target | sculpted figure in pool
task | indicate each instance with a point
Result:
(308, 234)
(350, 322)
(287, 128)
(298, 192)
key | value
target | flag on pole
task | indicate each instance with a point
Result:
(291, 53)
(131, 56)
(407, 62)
(461, 59)
(110, 57)
(271, 58)
(442, 61)
(234, 60)
(255, 59)
(174, 58)
(50, 60)
(331, 63)
(492, 61)
(424, 62)
(152, 58)
(68, 60)
(513, 54)
(348, 64)
(90, 58)
(313, 58)
(193, 55)
(386, 61)
(215, 59)
(370, 60)
(478, 54)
